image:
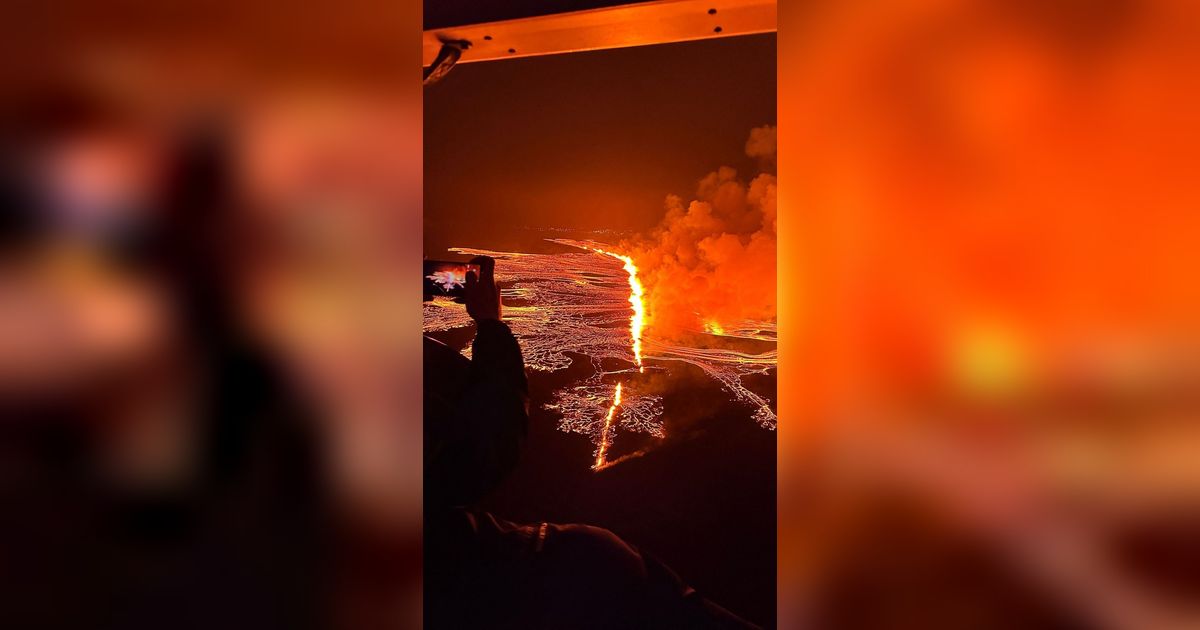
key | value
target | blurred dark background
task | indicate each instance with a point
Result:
(208, 416)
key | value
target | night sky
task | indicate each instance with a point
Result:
(587, 141)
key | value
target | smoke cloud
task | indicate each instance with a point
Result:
(711, 261)
(761, 145)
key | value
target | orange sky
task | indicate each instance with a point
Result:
(588, 140)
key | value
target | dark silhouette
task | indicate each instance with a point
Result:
(484, 572)
(238, 541)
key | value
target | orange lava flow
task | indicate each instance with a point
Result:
(637, 320)
(605, 433)
(574, 307)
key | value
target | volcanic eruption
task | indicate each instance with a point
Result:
(698, 289)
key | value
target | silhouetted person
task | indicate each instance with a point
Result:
(221, 524)
(484, 572)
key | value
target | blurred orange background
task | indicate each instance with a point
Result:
(988, 306)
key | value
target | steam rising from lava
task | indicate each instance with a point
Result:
(710, 263)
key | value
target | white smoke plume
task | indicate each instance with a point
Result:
(711, 261)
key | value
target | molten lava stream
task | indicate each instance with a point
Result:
(635, 300)
(635, 335)
(606, 431)
(588, 305)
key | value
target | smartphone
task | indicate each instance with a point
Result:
(446, 278)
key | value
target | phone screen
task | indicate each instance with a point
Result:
(444, 278)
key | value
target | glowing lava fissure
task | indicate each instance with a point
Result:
(636, 292)
(606, 437)
(571, 306)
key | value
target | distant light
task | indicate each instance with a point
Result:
(989, 360)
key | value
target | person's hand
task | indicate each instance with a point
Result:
(481, 294)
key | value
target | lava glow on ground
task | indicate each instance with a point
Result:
(637, 320)
(590, 303)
